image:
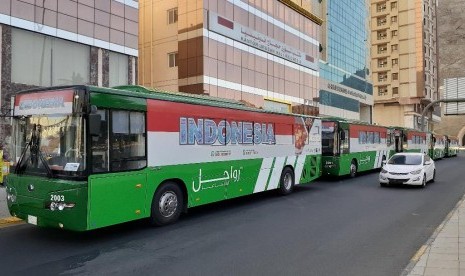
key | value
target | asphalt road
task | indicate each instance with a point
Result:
(329, 227)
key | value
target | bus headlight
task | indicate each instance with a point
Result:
(60, 206)
(10, 195)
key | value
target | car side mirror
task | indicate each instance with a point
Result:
(384, 162)
(427, 163)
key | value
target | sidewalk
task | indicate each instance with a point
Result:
(3, 206)
(444, 253)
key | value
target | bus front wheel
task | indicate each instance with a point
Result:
(167, 204)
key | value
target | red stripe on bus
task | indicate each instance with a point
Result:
(355, 129)
(410, 134)
(164, 116)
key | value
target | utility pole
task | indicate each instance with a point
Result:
(459, 100)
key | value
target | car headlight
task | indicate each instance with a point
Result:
(416, 171)
(384, 171)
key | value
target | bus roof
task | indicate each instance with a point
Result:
(138, 91)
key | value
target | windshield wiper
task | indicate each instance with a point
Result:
(35, 153)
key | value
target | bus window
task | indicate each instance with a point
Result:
(127, 141)
(345, 142)
(100, 145)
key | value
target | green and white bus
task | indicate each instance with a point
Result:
(88, 157)
(408, 140)
(437, 148)
(350, 147)
(452, 146)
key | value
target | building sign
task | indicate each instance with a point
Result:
(277, 106)
(41, 103)
(346, 91)
(236, 31)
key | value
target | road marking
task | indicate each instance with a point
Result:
(5, 222)
(419, 253)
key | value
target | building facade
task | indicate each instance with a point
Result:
(264, 53)
(345, 85)
(404, 60)
(62, 42)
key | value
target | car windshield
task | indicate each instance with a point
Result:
(401, 159)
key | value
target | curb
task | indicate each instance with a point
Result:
(5, 222)
(416, 257)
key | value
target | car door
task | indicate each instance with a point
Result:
(428, 164)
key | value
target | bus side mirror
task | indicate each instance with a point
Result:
(343, 135)
(94, 124)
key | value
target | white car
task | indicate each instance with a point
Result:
(409, 169)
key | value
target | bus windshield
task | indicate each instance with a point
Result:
(328, 138)
(51, 144)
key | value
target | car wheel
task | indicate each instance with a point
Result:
(423, 184)
(434, 176)
(167, 204)
(286, 184)
(353, 169)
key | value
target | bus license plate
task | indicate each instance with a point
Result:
(32, 219)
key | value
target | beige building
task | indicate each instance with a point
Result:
(404, 60)
(265, 53)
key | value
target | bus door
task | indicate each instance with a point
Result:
(117, 185)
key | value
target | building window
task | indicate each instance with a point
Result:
(172, 16)
(395, 61)
(382, 35)
(380, 7)
(382, 90)
(394, 33)
(394, 48)
(395, 90)
(395, 76)
(382, 77)
(382, 62)
(46, 61)
(382, 49)
(393, 19)
(393, 5)
(118, 69)
(173, 59)
(381, 21)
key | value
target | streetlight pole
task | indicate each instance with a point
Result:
(423, 113)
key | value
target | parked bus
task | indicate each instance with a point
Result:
(407, 140)
(438, 146)
(88, 157)
(350, 147)
(451, 146)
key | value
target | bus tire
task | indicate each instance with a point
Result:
(286, 182)
(167, 204)
(353, 168)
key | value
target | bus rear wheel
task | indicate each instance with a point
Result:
(353, 168)
(287, 181)
(167, 204)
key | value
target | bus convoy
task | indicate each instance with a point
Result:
(88, 157)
